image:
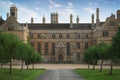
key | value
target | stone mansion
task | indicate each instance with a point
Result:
(62, 42)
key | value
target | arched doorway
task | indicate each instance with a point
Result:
(60, 58)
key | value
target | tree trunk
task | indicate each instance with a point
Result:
(1, 65)
(88, 66)
(33, 66)
(27, 67)
(101, 66)
(111, 67)
(10, 72)
(22, 65)
(94, 66)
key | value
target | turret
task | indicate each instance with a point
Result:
(54, 18)
(13, 11)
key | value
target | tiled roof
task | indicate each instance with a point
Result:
(12, 23)
(59, 26)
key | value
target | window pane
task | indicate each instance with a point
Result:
(68, 48)
(46, 48)
(53, 48)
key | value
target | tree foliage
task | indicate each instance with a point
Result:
(91, 56)
(114, 50)
(11, 47)
(102, 49)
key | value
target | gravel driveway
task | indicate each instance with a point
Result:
(60, 74)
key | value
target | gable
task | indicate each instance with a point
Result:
(60, 44)
(11, 23)
(110, 24)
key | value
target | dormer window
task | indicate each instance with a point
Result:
(10, 28)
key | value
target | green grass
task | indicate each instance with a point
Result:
(96, 75)
(18, 75)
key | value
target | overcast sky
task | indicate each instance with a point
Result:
(38, 8)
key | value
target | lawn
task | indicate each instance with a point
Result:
(96, 75)
(18, 75)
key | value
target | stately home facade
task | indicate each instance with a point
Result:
(62, 42)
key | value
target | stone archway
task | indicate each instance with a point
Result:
(60, 58)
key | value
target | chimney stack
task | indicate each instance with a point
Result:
(44, 20)
(77, 20)
(97, 17)
(7, 15)
(71, 21)
(92, 21)
(32, 20)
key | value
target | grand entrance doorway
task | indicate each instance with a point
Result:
(60, 58)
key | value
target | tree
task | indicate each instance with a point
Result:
(87, 57)
(102, 49)
(116, 44)
(91, 56)
(36, 58)
(94, 55)
(22, 53)
(1, 54)
(114, 53)
(2, 59)
(111, 58)
(10, 47)
(30, 52)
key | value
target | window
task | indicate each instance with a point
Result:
(10, 28)
(105, 33)
(86, 36)
(60, 36)
(78, 45)
(53, 48)
(68, 48)
(39, 35)
(78, 36)
(68, 36)
(86, 45)
(53, 35)
(39, 47)
(31, 36)
(78, 56)
(46, 48)
(32, 44)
